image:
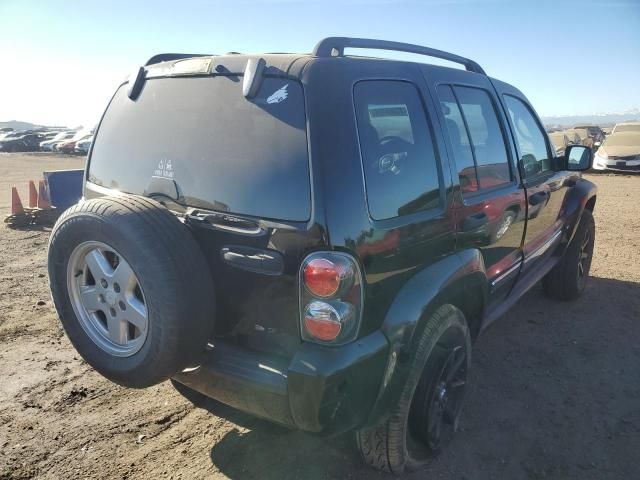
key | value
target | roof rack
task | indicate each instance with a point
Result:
(167, 57)
(334, 47)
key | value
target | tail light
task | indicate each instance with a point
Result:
(330, 298)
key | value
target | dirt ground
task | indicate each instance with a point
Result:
(555, 387)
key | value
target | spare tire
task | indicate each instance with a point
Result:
(132, 288)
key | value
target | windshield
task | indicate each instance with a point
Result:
(223, 151)
(627, 127)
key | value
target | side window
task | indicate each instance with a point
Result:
(532, 147)
(399, 159)
(478, 143)
(459, 140)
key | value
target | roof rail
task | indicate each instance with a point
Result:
(334, 46)
(167, 57)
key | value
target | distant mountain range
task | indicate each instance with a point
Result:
(601, 119)
(17, 125)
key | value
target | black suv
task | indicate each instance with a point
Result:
(316, 238)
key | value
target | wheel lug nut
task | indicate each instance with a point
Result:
(101, 298)
(112, 311)
(116, 288)
(122, 306)
(104, 283)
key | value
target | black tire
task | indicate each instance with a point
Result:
(401, 441)
(568, 279)
(171, 270)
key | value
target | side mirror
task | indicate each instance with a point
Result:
(578, 158)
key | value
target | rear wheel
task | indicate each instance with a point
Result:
(429, 410)
(569, 277)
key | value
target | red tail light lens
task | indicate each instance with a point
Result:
(322, 321)
(331, 297)
(321, 277)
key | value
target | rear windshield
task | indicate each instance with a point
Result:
(224, 152)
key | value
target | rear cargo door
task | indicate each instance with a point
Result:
(237, 170)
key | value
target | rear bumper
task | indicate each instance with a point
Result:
(322, 389)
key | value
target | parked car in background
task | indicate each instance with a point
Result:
(593, 132)
(21, 143)
(10, 134)
(70, 145)
(49, 145)
(626, 127)
(560, 141)
(573, 136)
(82, 146)
(619, 152)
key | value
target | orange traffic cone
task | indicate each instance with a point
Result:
(43, 199)
(16, 204)
(33, 195)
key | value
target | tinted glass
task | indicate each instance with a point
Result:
(400, 165)
(223, 151)
(489, 150)
(530, 137)
(460, 143)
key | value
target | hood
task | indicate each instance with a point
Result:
(620, 151)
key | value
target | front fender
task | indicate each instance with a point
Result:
(575, 202)
(420, 296)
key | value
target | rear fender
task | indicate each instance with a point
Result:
(450, 278)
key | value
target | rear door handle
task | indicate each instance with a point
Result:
(537, 198)
(474, 222)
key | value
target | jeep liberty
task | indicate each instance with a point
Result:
(317, 239)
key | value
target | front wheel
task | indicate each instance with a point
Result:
(429, 409)
(567, 280)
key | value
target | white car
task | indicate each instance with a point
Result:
(83, 145)
(49, 145)
(619, 152)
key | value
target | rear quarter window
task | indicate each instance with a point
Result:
(399, 160)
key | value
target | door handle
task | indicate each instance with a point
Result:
(268, 262)
(474, 222)
(537, 198)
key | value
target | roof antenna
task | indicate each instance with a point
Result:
(253, 77)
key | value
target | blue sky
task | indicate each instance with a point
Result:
(62, 60)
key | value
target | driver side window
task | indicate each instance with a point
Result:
(532, 147)
(398, 156)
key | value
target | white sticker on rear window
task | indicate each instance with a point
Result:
(165, 169)
(279, 95)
